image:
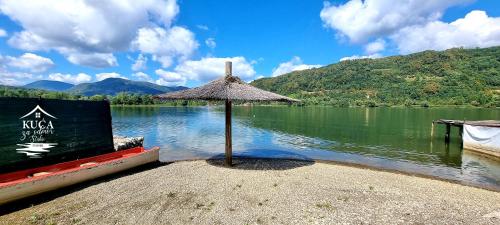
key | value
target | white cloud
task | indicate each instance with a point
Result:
(409, 25)
(29, 41)
(476, 29)
(142, 77)
(30, 62)
(256, 78)
(16, 78)
(205, 69)
(140, 63)
(293, 65)
(202, 27)
(210, 68)
(97, 60)
(374, 47)
(170, 78)
(354, 57)
(69, 78)
(166, 45)
(3, 33)
(78, 29)
(361, 20)
(103, 76)
(210, 42)
(254, 62)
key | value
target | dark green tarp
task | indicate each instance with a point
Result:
(38, 132)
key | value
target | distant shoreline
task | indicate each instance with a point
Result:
(326, 106)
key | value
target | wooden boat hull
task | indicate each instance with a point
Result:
(43, 179)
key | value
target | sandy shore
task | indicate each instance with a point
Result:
(264, 192)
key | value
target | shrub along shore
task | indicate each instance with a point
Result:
(147, 100)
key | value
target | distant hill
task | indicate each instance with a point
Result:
(49, 85)
(124, 98)
(113, 86)
(452, 77)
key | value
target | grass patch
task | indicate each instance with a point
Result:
(199, 205)
(75, 220)
(324, 205)
(343, 198)
(41, 219)
(204, 206)
(36, 218)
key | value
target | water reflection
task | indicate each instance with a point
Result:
(393, 138)
(474, 163)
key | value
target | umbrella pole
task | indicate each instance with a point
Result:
(229, 147)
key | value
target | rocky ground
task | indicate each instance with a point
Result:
(122, 143)
(261, 192)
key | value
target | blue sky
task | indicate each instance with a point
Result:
(186, 42)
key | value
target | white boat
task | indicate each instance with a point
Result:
(29, 182)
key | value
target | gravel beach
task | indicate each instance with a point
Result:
(258, 191)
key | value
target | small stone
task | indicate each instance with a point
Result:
(495, 214)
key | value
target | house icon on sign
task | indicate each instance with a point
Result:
(38, 112)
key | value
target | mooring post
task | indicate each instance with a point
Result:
(229, 145)
(432, 130)
(229, 69)
(447, 135)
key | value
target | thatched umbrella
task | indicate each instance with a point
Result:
(227, 88)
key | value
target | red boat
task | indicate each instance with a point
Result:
(24, 183)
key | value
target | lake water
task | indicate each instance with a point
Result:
(387, 138)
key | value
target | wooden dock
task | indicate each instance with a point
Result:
(449, 123)
(460, 125)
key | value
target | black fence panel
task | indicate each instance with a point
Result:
(37, 132)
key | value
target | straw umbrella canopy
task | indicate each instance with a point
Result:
(227, 88)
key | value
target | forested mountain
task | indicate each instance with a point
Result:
(123, 98)
(49, 85)
(117, 91)
(113, 86)
(452, 77)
